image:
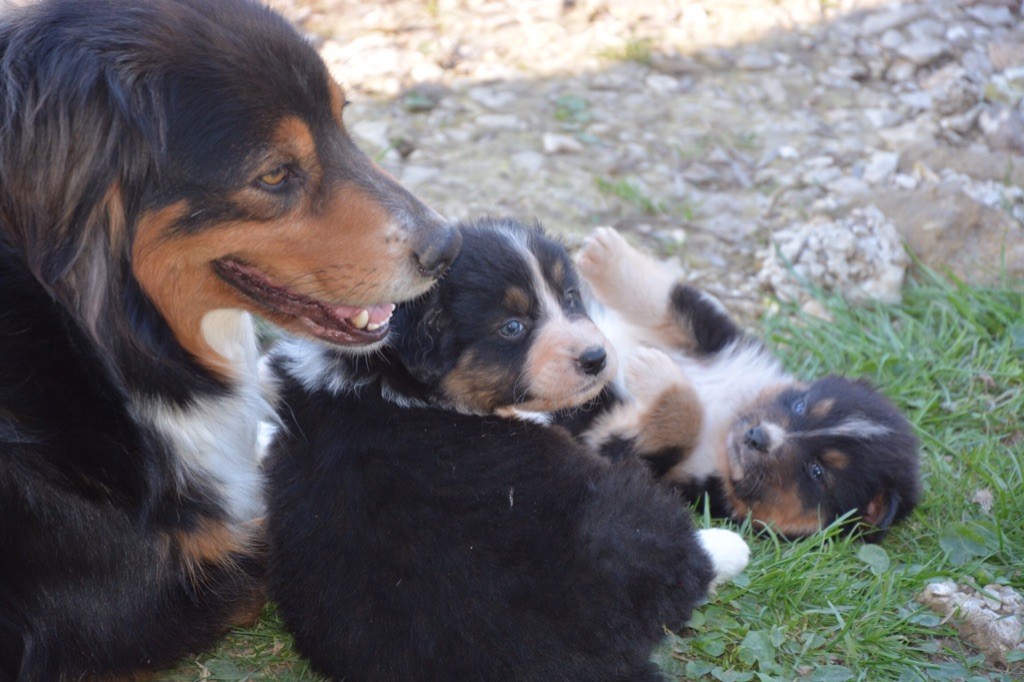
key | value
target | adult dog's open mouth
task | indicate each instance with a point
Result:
(337, 324)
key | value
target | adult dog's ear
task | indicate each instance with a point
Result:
(422, 330)
(879, 514)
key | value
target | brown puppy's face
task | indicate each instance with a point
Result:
(267, 205)
(506, 327)
(803, 456)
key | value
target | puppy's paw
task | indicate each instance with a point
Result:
(604, 261)
(728, 551)
(649, 372)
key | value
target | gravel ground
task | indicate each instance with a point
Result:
(741, 136)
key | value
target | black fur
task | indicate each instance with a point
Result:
(411, 541)
(111, 110)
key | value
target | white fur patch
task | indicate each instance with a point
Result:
(316, 367)
(854, 427)
(216, 439)
(728, 551)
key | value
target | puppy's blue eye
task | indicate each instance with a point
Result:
(512, 329)
(799, 407)
(816, 472)
(572, 298)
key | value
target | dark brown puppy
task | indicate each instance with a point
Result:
(712, 410)
(166, 168)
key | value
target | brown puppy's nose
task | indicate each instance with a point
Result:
(435, 248)
(593, 360)
(757, 438)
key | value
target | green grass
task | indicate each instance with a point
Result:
(831, 608)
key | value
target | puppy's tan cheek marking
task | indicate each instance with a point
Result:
(476, 385)
(673, 420)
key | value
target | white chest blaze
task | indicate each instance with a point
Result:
(215, 439)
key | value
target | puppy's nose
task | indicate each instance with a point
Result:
(757, 438)
(593, 360)
(435, 248)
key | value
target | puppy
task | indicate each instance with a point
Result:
(167, 167)
(421, 528)
(713, 411)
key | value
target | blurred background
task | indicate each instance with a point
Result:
(760, 142)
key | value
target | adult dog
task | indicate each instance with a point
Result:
(421, 529)
(166, 168)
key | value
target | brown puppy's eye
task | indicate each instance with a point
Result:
(275, 178)
(816, 472)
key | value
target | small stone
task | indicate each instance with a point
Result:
(1005, 55)
(1003, 128)
(662, 84)
(555, 143)
(878, 23)
(881, 167)
(755, 61)
(492, 98)
(991, 15)
(923, 51)
(788, 152)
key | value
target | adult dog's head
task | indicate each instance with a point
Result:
(161, 160)
(505, 327)
(803, 455)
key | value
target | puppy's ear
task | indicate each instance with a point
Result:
(423, 337)
(879, 514)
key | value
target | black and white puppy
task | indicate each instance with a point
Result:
(420, 529)
(713, 411)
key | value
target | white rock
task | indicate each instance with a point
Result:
(556, 143)
(860, 257)
(991, 15)
(923, 51)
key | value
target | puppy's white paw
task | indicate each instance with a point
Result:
(605, 261)
(649, 372)
(728, 551)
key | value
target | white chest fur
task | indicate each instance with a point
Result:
(215, 440)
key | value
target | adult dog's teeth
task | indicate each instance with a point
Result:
(372, 327)
(360, 320)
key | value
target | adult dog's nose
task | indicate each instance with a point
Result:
(435, 248)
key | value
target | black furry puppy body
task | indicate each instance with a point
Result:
(167, 168)
(713, 411)
(417, 534)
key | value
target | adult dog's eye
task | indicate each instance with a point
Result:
(275, 179)
(512, 329)
(799, 407)
(816, 471)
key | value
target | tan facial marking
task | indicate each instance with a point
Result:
(476, 386)
(341, 249)
(517, 301)
(821, 409)
(552, 370)
(835, 459)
